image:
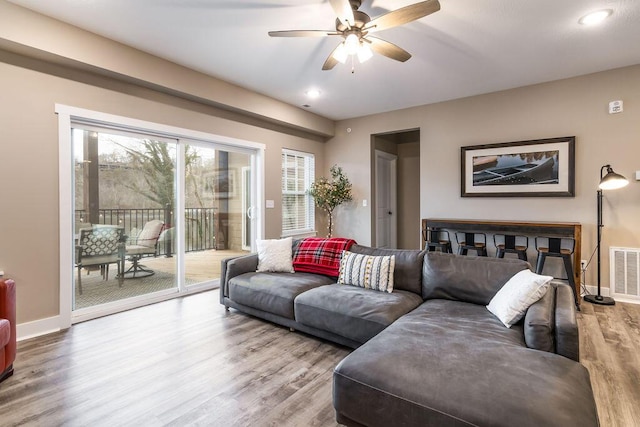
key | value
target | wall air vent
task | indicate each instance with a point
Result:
(625, 274)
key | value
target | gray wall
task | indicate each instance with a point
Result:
(408, 195)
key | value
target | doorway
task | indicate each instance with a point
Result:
(395, 188)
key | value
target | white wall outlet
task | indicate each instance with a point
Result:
(615, 107)
(364, 203)
(270, 204)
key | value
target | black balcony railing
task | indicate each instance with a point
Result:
(199, 225)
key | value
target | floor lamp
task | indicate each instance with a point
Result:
(610, 181)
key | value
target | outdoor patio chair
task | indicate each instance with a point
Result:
(100, 246)
(144, 244)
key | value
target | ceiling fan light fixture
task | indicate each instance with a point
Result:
(354, 26)
(340, 53)
(352, 43)
(364, 52)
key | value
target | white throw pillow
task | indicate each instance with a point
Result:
(275, 255)
(514, 298)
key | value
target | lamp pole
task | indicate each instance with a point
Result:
(598, 298)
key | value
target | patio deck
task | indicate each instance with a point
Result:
(199, 267)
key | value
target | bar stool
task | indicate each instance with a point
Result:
(473, 241)
(555, 248)
(435, 238)
(511, 245)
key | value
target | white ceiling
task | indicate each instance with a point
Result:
(467, 48)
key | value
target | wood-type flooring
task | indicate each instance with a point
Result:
(186, 362)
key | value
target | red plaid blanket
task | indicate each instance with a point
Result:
(321, 256)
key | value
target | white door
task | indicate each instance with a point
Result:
(386, 215)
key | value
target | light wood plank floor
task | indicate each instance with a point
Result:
(610, 349)
(186, 362)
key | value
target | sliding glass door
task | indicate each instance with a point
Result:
(216, 211)
(154, 215)
(124, 197)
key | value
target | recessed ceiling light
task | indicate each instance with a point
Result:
(596, 17)
(313, 93)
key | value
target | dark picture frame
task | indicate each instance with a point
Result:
(535, 168)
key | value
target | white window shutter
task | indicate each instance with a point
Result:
(298, 211)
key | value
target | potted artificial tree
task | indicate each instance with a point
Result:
(329, 194)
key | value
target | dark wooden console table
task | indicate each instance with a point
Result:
(543, 229)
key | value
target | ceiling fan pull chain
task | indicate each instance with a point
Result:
(353, 65)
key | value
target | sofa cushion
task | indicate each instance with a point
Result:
(449, 363)
(367, 271)
(352, 312)
(273, 292)
(511, 302)
(539, 322)
(464, 278)
(407, 275)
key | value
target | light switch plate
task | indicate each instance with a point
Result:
(270, 204)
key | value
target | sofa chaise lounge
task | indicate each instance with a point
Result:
(430, 353)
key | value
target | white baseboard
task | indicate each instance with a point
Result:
(37, 328)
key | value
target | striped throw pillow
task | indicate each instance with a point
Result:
(367, 271)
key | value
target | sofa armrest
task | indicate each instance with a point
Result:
(540, 323)
(232, 267)
(566, 325)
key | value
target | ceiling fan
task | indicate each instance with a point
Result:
(356, 26)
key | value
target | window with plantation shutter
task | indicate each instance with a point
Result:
(298, 170)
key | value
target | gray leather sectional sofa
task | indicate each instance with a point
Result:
(430, 353)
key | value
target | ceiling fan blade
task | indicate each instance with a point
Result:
(343, 11)
(388, 49)
(331, 61)
(402, 15)
(303, 33)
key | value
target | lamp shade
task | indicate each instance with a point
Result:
(612, 180)
(351, 43)
(340, 53)
(364, 53)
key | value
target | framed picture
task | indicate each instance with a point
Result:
(537, 168)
